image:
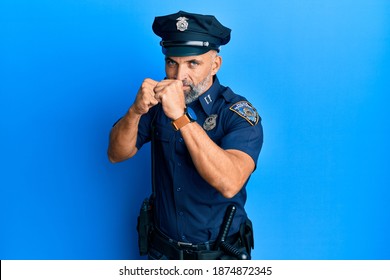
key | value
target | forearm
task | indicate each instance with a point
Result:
(225, 170)
(123, 138)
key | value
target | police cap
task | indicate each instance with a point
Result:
(187, 34)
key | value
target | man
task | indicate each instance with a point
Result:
(206, 141)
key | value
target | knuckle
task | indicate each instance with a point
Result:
(143, 87)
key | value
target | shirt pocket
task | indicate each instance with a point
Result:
(164, 143)
(164, 134)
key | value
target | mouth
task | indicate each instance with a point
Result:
(187, 88)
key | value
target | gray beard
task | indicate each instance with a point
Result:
(196, 90)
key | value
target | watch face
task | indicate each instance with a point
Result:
(191, 114)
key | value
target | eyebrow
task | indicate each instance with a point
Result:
(195, 60)
(169, 59)
(187, 61)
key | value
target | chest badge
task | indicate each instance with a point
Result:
(210, 122)
(182, 23)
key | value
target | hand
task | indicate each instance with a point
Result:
(145, 97)
(171, 95)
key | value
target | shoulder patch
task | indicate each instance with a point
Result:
(245, 110)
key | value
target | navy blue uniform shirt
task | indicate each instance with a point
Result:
(187, 208)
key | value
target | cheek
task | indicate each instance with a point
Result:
(200, 76)
(169, 73)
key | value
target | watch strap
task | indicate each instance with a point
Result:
(180, 122)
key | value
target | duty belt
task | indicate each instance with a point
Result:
(177, 250)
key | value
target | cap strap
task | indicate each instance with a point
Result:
(167, 44)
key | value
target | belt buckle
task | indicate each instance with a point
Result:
(184, 244)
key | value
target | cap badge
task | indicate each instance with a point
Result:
(182, 24)
(210, 122)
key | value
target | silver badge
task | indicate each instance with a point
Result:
(210, 122)
(182, 24)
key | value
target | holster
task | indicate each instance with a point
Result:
(246, 235)
(145, 226)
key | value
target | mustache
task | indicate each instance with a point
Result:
(188, 83)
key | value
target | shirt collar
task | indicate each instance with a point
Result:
(208, 98)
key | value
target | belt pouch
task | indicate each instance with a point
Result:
(144, 226)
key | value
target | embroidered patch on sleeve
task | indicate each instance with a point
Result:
(245, 110)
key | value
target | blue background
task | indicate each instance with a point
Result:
(317, 71)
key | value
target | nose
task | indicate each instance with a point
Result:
(181, 73)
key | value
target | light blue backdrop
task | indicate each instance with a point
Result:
(317, 71)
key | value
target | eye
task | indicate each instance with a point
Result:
(194, 63)
(170, 63)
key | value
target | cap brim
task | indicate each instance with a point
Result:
(184, 51)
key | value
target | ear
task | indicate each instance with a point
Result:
(216, 65)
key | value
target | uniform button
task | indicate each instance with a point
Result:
(179, 164)
(183, 237)
(181, 140)
(178, 189)
(181, 213)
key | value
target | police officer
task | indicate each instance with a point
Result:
(207, 140)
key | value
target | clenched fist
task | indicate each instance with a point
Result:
(145, 97)
(171, 95)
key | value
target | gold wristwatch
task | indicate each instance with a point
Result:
(189, 116)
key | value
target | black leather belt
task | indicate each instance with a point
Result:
(177, 250)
